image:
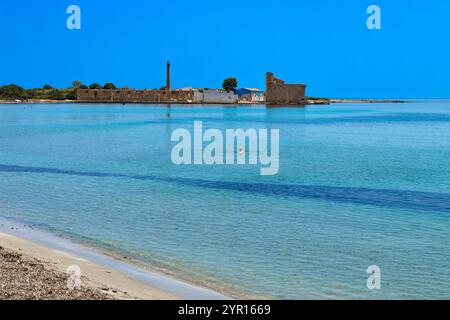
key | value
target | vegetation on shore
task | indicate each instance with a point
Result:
(14, 92)
(230, 84)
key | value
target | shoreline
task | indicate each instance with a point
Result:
(308, 101)
(366, 101)
(24, 277)
(101, 272)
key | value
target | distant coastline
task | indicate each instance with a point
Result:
(43, 101)
(277, 93)
(309, 101)
(366, 101)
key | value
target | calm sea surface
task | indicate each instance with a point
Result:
(359, 185)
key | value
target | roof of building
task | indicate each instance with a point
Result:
(251, 89)
(188, 89)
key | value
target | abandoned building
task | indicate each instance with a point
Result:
(215, 97)
(134, 96)
(277, 92)
(164, 95)
(131, 95)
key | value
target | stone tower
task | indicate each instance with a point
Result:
(278, 92)
(269, 83)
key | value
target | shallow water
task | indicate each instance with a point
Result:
(359, 185)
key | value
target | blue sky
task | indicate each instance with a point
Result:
(324, 44)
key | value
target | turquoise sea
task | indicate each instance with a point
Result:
(358, 185)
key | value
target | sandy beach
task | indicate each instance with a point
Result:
(34, 265)
(33, 271)
(25, 278)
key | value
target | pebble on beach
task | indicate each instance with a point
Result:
(26, 278)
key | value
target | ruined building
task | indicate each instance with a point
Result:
(138, 96)
(134, 96)
(277, 92)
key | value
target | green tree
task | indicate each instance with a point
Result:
(109, 85)
(31, 93)
(95, 86)
(56, 94)
(230, 84)
(12, 91)
(83, 86)
(72, 96)
(77, 84)
(47, 87)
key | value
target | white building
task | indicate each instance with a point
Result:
(215, 96)
(251, 95)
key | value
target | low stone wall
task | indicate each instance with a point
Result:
(133, 96)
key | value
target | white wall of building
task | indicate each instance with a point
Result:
(214, 96)
(252, 97)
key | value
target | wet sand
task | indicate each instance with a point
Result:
(26, 278)
(101, 273)
(33, 271)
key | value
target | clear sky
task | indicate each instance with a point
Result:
(324, 44)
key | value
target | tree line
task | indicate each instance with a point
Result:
(12, 92)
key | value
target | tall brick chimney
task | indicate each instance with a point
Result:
(168, 78)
